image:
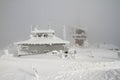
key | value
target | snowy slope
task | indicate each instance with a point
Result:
(89, 63)
(56, 69)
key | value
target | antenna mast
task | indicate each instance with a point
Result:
(49, 26)
(64, 32)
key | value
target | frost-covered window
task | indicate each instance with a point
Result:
(39, 35)
(50, 35)
(45, 35)
(24, 47)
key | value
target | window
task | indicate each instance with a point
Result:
(45, 35)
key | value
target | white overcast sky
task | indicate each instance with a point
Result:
(101, 17)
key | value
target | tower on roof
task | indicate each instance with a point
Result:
(36, 33)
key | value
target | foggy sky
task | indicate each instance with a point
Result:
(101, 17)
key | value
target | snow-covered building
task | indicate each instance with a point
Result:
(41, 41)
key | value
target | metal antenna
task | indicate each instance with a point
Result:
(64, 32)
(49, 26)
(31, 27)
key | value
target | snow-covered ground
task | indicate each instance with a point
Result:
(89, 64)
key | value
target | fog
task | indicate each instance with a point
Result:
(101, 17)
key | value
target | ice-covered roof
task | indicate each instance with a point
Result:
(42, 41)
